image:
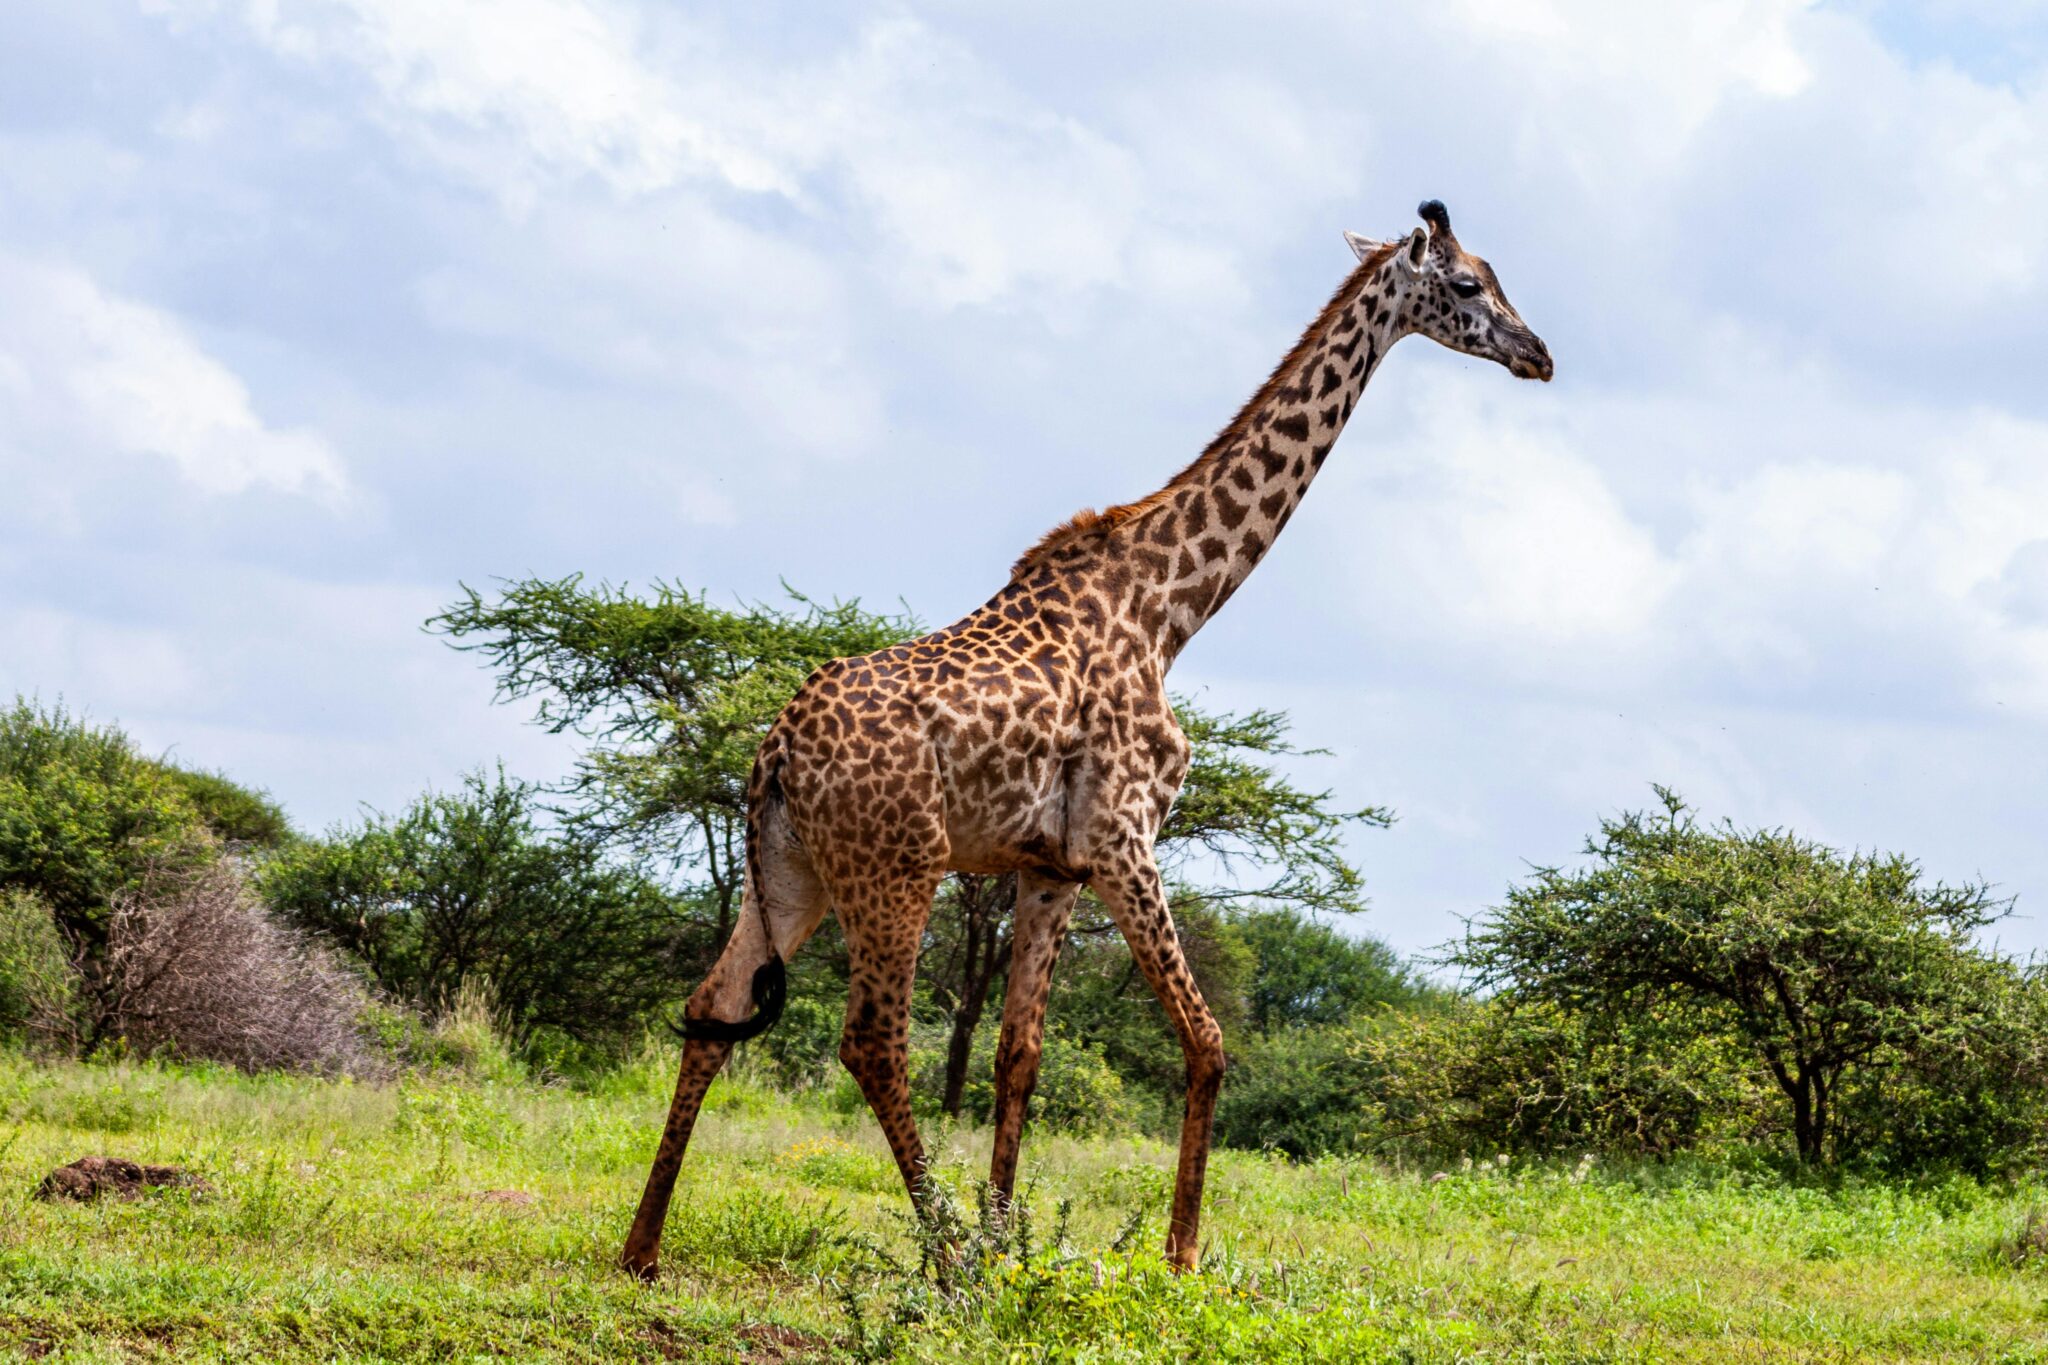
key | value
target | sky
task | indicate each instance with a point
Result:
(312, 311)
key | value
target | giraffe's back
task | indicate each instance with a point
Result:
(953, 747)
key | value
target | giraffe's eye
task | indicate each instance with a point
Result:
(1465, 288)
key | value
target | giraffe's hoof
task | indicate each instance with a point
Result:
(642, 1266)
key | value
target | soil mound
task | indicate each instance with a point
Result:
(89, 1177)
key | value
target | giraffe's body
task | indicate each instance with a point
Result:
(1034, 736)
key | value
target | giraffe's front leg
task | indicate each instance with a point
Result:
(1039, 926)
(1130, 887)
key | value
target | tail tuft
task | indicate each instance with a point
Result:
(771, 992)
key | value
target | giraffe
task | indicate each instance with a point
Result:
(1034, 736)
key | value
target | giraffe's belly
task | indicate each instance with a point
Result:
(1003, 777)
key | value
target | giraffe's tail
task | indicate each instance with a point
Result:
(770, 989)
(771, 992)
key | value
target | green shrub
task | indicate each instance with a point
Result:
(1300, 1091)
(469, 886)
(81, 817)
(1309, 973)
(239, 816)
(1502, 1075)
(802, 1050)
(37, 983)
(1077, 1092)
(1972, 1097)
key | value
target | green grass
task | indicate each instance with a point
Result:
(355, 1222)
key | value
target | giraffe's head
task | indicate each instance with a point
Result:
(1453, 297)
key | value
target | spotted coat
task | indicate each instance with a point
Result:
(1034, 736)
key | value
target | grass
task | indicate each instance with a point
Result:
(449, 1221)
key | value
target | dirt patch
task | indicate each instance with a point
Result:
(771, 1344)
(517, 1199)
(89, 1177)
(756, 1343)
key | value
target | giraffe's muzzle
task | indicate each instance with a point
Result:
(1531, 360)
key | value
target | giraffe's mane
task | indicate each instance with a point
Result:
(1090, 523)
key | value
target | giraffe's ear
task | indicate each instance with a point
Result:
(1364, 247)
(1415, 250)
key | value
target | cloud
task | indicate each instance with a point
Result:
(974, 191)
(671, 297)
(519, 89)
(1482, 527)
(85, 373)
(1905, 575)
(218, 674)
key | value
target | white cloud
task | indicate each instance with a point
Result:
(562, 77)
(328, 695)
(668, 296)
(2021, 589)
(1488, 529)
(976, 192)
(1875, 545)
(85, 373)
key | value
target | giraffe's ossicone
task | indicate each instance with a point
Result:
(1034, 736)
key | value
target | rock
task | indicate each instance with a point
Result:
(89, 1177)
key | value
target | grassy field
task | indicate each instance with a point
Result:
(468, 1220)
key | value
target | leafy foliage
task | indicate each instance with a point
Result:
(81, 817)
(37, 984)
(1308, 973)
(1078, 1090)
(1303, 1092)
(1237, 807)
(468, 885)
(1826, 967)
(240, 817)
(674, 695)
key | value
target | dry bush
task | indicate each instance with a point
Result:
(197, 967)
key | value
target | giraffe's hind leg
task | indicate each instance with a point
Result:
(884, 923)
(792, 902)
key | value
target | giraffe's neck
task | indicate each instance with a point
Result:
(1197, 540)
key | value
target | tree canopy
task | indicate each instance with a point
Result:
(1819, 961)
(672, 694)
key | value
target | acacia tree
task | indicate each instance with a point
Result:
(1821, 962)
(673, 695)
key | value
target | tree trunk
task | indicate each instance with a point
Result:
(959, 1050)
(1806, 1128)
(986, 902)
(1821, 1117)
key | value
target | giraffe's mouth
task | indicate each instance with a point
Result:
(1531, 360)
